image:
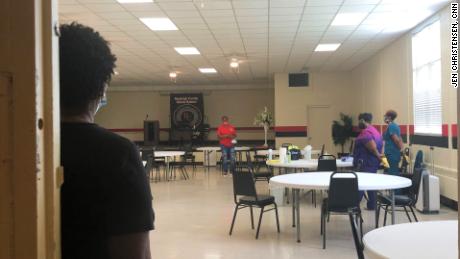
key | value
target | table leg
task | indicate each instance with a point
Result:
(392, 193)
(297, 198)
(376, 216)
(293, 208)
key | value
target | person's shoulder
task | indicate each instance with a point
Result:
(111, 140)
(394, 126)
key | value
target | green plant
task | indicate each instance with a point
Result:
(342, 130)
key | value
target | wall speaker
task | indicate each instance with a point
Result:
(151, 133)
(298, 80)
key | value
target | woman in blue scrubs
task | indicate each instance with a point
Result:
(393, 142)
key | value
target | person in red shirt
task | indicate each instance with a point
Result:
(226, 134)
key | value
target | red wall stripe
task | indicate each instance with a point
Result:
(454, 130)
(291, 128)
(445, 130)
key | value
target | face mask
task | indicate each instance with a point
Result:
(362, 125)
(386, 120)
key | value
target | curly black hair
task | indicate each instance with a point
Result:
(366, 116)
(86, 67)
(392, 114)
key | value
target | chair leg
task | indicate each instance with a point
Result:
(413, 213)
(324, 230)
(260, 221)
(277, 218)
(233, 220)
(407, 214)
(252, 217)
(377, 215)
(322, 219)
(385, 216)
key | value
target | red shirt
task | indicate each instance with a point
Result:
(226, 129)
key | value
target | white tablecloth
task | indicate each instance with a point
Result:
(303, 163)
(421, 240)
(320, 181)
(169, 153)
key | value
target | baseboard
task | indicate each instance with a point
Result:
(449, 203)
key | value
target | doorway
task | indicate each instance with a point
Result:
(319, 123)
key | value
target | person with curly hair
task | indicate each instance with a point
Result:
(367, 151)
(106, 201)
(393, 142)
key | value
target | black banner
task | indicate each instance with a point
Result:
(186, 111)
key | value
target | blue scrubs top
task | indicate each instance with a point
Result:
(391, 149)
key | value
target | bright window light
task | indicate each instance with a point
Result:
(187, 51)
(327, 47)
(426, 80)
(207, 70)
(134, 1)
(343, 19)
(159, 24)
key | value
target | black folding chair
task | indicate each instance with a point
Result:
(327, 163)
(343, 199)
(356, 236)
(403, 201)
(245, 195)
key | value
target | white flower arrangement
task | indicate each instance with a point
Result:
(264, 119)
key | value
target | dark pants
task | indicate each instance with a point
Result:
(228, 155)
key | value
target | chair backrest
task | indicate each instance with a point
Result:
(322, 150)
(356, 237)
(149, 165)
(343, 191)
(418, 160)
(146, 153)
(352, 145)
(243, 184)
(327, 163)
(416, 182)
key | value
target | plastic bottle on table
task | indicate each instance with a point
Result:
(270, 154)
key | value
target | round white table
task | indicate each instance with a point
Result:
(429, 239)
(320, 181)
(307, 164)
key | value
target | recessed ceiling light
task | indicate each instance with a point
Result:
(159, 24)
(348, 19)
(187, 51)
(173, 74)
(134, 1)
(234, 63)
(327, 47)
(207, 70)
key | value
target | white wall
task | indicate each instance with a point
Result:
(332, 89)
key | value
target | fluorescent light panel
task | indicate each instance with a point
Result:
(134, 1)
(343, 19)
(159, 24)
(327, 47)
(187, 51)
(207, 70)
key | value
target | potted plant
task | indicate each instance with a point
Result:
(342, 131)
(264, 119)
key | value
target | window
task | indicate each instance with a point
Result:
(426, 69)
